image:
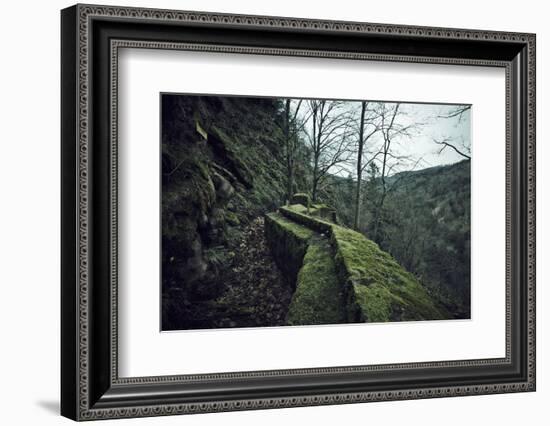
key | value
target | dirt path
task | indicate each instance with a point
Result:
(257, 294)
(254, 291)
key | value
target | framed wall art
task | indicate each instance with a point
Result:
(263, 212)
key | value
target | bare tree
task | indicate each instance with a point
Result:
(462, 149)
(455, 113)
(368, 127)
(292, 125)
(328, 136)
(392, 131)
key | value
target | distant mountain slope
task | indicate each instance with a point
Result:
(430, 231)
(425, 225)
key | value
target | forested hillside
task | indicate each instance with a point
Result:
(424, 223)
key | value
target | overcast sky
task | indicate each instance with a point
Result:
(430, 124)
(435, 126)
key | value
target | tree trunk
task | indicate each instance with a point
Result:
(378, 216)
(315, 159)
(359, 168)
(314, 189)
(290, 183)
(289, 152)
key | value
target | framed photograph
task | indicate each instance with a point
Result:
(263, 212)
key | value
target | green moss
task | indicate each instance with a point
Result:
(198, 187)
(299, 208)
(315, 224)
(230, 150)
(383, 290)
(370, 284)
(319, 206)
(194, 197)
(376, 287)
(361, 257)
(324, 212)
(318, 298)
(299, 231)
(319, 211)
(376, 301)
(232, 218)
(288, 243)
(301, 198)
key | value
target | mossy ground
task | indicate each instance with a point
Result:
(301, 198)
(384, 290)
(319, 297)
(299, 231)
(298, 208)
(320, 211)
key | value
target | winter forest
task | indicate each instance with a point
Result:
(281, 212)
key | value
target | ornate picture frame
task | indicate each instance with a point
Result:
(91, 37)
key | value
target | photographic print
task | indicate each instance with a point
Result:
(289, 211)
(300, 193)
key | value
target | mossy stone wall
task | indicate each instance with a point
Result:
(319, 298)
(288, 243)
(373, 286)
(293, 212)
(301, 198)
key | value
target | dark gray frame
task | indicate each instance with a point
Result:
(91, 37)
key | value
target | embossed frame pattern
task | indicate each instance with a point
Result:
(91, 37)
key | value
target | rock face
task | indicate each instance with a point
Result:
(342, 276)
(222, 168)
